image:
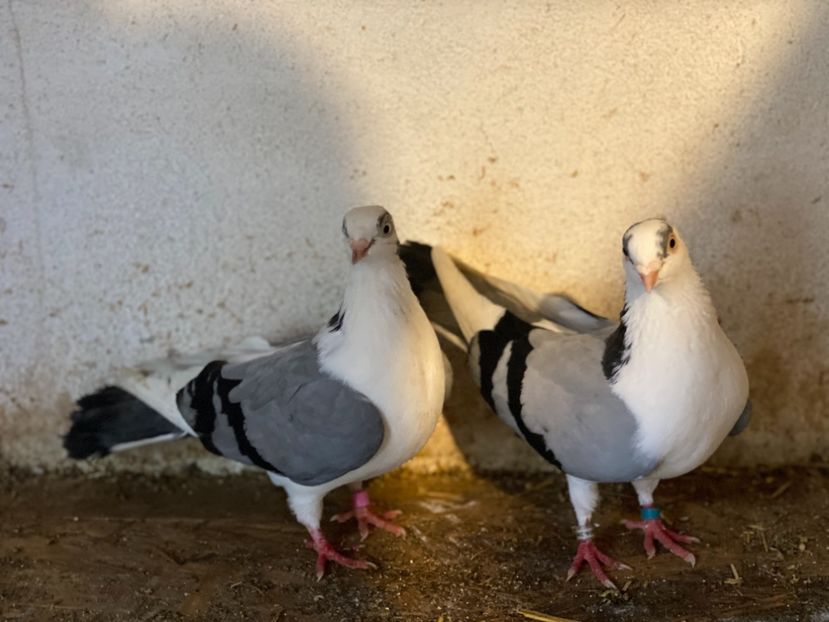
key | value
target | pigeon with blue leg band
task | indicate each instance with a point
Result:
(647, 398)
(653, 527)
(650, 513)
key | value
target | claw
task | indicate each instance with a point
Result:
(326, 552)
(342, 517)
(365, 517)
(588, 552)
(655, 529)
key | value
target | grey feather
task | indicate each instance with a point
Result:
(743, 421)
(527, 304)
(561, 309)
(566, 399)
(284, 414)
(532, 306)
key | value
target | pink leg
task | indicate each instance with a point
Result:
(655, 529)
(326, 552)
(589, 552)
(365, 517)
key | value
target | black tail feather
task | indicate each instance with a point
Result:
(418, 260)
(110, 417)
(426, 286)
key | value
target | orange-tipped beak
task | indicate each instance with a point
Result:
(649, 279)
(359, 248)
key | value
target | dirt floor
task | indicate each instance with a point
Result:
(478, 548)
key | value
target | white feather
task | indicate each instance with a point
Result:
(472, 311)
(684, 381)
(584, 497)
(156, 382)
(146, 441)
(388, 351)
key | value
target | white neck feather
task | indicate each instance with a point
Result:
(382, 325)
(376, 302)
(677, 304)
(387, 350)
(683, 380)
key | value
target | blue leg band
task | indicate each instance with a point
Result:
(650, 513)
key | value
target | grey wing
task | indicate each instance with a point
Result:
(550, 388)
(285, 415)
(533, 306)
(562, 309)
(567, 398)
(743, 421)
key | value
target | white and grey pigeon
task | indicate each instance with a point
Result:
(649, 398)
(354, 402)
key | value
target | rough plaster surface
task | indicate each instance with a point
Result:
(172, 174)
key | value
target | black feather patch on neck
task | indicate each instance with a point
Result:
(335, 324)
(616, 352)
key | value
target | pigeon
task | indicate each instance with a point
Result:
(353, 402)
(648, 398)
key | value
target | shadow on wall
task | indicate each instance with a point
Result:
(781, 328)
(184, 159)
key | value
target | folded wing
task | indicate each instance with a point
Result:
(282, 413)
(550, 388)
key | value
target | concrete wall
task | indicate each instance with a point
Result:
(172, 174)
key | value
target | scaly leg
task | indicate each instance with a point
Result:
(361, 504)
(653, 527)
(327, 553)
(306, 504)
(584, 498)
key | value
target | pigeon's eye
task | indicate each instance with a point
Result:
(386, 229)
(672, 242)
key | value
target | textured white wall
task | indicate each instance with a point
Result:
(172, 173)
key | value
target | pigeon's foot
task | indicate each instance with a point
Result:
(588, 552)
(365, 517)
(655, 529)
(327, 553)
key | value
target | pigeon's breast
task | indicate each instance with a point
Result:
(686, 387)
(400, 369)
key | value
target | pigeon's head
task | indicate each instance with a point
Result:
(369, 231)
(654, 254)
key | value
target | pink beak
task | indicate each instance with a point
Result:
(649, 280)
(359, 248)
